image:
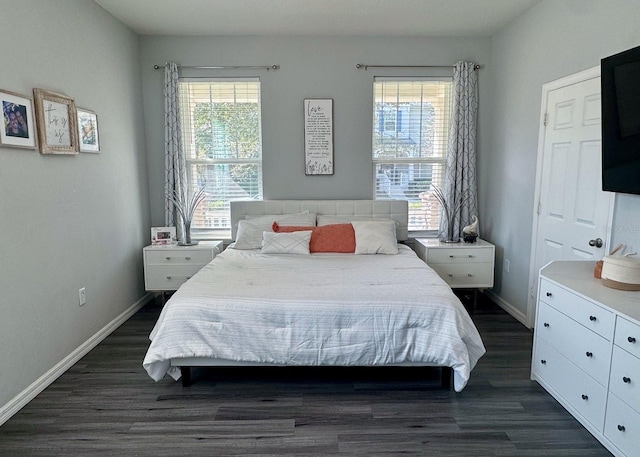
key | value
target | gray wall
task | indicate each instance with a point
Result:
(68, 222)
(552, 40)
(310, 67)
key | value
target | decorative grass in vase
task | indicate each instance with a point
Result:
(449, 211)
(186, 211)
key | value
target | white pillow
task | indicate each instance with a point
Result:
(249, 235)
(375, 237)
(286, 243)
(305, 219)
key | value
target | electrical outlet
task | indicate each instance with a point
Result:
(82, 296)
(507, 265)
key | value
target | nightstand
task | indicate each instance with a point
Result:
(461, 265)
(167, 267)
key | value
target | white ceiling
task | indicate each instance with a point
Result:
(464, 18)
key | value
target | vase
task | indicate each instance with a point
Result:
(450, 238)
(186, 235)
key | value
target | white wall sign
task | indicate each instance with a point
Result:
(318, 136)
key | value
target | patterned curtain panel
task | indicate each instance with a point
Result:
(460, 188)
(174, 159)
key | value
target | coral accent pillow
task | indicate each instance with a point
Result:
(328, 238)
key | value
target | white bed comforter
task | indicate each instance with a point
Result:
(322, 309)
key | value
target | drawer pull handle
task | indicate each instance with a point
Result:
(188, 277)
(168, 258)
(626, 379)
(621, 428)
(187, 258)
(546, 324)
(463, 256)
(585, 397)
(543, 361)
(549, 294)
(466, 275)
(593, 318)
(631, 339)
(168, 278)
(589, 354)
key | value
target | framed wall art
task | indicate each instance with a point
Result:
(57, 122)
(18, 127)
(88, 131)
(318, 136)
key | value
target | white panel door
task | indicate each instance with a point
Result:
(572, 212)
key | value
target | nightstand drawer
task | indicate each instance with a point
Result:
(168, 267)
(460, 255)
(179, 257)
(583, 311)
(161, 277)
(465, 275)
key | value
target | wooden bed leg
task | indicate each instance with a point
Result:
(446, 377)
(186, 376)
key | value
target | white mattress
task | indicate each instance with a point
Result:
(319, 309)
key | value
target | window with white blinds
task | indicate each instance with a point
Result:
(411, 120)
(222, 139)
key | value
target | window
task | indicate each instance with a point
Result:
(410, 127)
(222, 139)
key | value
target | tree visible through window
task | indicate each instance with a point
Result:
(222, 136)
(410, 126)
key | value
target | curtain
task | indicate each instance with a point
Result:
(460, 189)
(174, 158)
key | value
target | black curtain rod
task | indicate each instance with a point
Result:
(366, 67)
(233, 67)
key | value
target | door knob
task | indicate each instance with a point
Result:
(597, 242)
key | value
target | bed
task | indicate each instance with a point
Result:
(275, 306)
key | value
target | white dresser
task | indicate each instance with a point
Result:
(167, 267)
(461, 265)
(586, 352)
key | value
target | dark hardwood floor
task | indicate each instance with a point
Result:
(106, 405)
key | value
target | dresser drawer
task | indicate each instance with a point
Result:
(583, 311)
(179, 257)
(622, 426)
(625, 377)
(586, 349)
(465, 275)
(583, 393)
(460, 255)
(168, 277)
(627, 336)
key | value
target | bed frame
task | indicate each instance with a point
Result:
(393, 209)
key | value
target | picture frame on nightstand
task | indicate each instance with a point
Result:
(163, 236)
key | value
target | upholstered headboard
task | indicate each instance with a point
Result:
(397, 210)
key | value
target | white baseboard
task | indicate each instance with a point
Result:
(44, 381)
(508, 307)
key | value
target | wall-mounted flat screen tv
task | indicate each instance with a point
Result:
(620, 80)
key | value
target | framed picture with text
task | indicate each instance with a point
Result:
(18, 127)
(57, 122)
(318, 136)
(163, 235)
(88, 131)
